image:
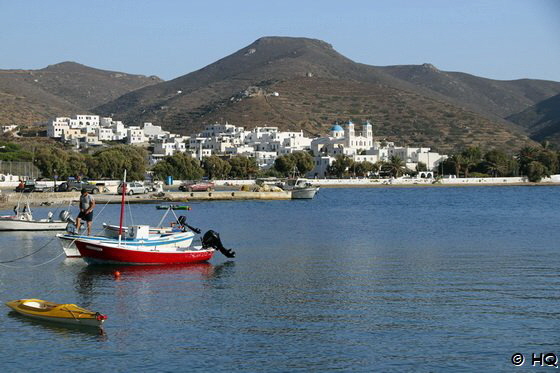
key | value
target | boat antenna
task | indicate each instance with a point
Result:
(122, 207)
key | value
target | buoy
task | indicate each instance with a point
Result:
(117, 274)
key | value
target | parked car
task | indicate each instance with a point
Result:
(77, 185)
(133, 187)
(33, 186)
(197, 186)
(152, 186)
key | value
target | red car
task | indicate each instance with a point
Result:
(194, 186)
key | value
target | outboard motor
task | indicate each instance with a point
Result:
(211, 239)
(65, 216)
(182, 220)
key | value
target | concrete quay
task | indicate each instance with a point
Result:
(10, 199)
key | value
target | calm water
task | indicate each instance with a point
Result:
(443, 279)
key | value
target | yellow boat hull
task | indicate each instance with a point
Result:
(54, 312)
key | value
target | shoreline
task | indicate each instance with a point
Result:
(437, 185)
(9, 199)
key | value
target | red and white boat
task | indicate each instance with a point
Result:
(142, 251)
(97, 252)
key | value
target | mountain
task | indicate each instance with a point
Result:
(493, 98)
(541, 121)
(68, 88)
(299, 83)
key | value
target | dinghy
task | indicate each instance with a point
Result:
(59, 313)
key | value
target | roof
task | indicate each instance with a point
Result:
(336, 127)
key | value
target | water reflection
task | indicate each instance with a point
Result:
(91, 277)
(62, 330)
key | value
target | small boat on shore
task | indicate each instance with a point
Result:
(54, 312)
(23, 220)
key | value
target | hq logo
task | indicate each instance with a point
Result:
(544, 360)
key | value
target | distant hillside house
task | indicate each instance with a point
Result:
(91, 129)
(9, 128)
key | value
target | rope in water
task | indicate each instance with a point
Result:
(35, 265)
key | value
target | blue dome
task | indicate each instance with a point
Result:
(336, 127)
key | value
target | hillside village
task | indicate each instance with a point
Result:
(264, 144)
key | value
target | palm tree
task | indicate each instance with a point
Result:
(471, 157)
(396, 166)
(377, 166)
(526, 155)
(457, 160)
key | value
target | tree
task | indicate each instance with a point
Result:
(242, 167)
(456, 161)
(49, 159)
(112, 162)
(396, 166)
(496, 163)
(549, 159)
(525, 156)
(421, 166)
(363, 168)
(536, 171)
(470, 157)
(180, 166)
(285, 164)
(304, 161)
(340, 165)
(215, 167)
(300, 161)
(376, 167)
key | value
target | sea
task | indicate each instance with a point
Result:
(435, 279)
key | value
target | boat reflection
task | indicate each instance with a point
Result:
(91, 276)
(65, 330)
(204, 269)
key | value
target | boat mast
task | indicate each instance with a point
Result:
(122, 207)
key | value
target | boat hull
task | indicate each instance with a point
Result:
(7, 224)
(304, 193)
(58, 313)
(95, 253)
(164, 241)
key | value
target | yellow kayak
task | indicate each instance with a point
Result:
(60, 313)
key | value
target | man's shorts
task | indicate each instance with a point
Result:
(86, 217)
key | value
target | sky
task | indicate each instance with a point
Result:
(496, 39)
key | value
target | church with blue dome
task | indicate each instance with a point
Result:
(359, 145)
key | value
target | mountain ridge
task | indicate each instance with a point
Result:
(66, 88)
(186, 103)
(314, 84)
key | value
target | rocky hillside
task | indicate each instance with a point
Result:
(495, 98)
(303, 83)
(541, 121)
(68, 88)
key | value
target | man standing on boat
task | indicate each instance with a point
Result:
(87, 203)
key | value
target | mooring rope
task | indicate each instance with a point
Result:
(41, 248)
(32, 266)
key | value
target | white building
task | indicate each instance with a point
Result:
(9, 128)
(57, 127)
(154, 132)
(361, 147)
(135, 135)
(105, 129)
(265, 160)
